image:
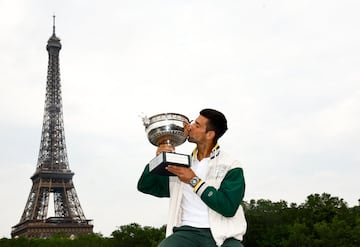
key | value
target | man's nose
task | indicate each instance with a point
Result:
(189, 127)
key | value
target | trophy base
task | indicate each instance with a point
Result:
(157, 165)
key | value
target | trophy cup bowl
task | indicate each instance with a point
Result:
(166, 128)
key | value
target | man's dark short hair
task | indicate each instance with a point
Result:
(216, 122)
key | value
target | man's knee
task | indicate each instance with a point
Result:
(174, 241)
(232, 242)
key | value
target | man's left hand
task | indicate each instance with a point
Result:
(183, 173)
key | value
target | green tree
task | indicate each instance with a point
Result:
(322, 207)
(133, 235)
(299, 236)
(267, 223)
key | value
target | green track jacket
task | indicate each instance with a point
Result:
(222, 192)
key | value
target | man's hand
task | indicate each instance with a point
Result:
(183, 173)
(165, 148)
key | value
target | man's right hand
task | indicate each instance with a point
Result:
(165, 148)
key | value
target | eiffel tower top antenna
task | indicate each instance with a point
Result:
(54, 16)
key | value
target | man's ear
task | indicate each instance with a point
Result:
(210, 135)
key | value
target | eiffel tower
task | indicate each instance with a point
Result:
(52, 175)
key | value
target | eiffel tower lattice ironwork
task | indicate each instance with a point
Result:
(53, 175)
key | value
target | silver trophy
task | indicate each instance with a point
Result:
(166, 128)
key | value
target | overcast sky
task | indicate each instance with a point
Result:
(285, 73)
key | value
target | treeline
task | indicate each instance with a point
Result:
(321, 221)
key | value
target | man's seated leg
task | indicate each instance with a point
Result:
(232, 242)
(186, 236)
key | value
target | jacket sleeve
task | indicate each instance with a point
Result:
(227, 198)
(153, 184)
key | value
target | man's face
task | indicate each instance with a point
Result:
(197, 133)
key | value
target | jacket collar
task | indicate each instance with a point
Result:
(214, 152)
